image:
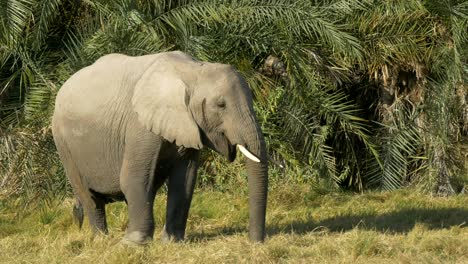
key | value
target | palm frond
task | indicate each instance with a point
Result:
(45, 12)
(15, 16)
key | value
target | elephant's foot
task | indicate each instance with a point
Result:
(167, 237)
(136, 238)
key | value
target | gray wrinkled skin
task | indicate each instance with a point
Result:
(124, 125)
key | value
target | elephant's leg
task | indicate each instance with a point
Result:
(93, 207)
(97, 215)
(140, 199)
(180, 190)
(137, 182)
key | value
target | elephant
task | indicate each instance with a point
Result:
(125, 125)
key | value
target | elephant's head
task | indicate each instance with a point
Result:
(198, 104)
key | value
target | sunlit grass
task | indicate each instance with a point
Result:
(303, 227)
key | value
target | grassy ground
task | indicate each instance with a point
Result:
(303, 227)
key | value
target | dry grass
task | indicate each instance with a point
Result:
(303, 227)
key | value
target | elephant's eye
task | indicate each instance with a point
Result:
(221, 103)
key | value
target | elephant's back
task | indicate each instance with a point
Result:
(94, 88)
(107, 82)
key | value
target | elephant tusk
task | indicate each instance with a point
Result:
(248, 154)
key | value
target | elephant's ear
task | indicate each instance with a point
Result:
(159, 99)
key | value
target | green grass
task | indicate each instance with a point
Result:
(303, 227)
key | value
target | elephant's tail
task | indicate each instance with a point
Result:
(78, 213)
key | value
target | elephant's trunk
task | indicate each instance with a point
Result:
(258, 187)
(258, 183)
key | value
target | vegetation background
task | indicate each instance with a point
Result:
(352, 95)
(359, 94)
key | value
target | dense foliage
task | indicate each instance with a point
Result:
(366, 94)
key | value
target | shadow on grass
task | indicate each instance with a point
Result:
(215, 233)
(395, 222)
